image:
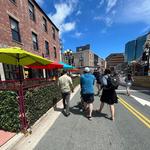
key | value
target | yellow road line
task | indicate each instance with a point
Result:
(145, 118)
(141, 117)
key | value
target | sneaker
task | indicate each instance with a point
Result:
(68, 114)
(90, 118)
(113, 119)
(81, 110)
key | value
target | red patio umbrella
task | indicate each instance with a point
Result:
(53, 65)
(74, 70)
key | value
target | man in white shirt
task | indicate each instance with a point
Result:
(66, 86)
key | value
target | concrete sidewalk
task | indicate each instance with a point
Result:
(76, 132)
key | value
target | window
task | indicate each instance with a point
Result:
(55, 53)
(47, 47)
(53, 32)
(35, 41)
(15, 30)
(44, 24)
(12, 72)
(31, 11)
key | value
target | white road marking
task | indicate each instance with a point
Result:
(141, 101)
(124, 90)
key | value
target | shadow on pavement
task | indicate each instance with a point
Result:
(77, 111)
(121, 93)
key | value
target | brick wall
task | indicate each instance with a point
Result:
(20, 12)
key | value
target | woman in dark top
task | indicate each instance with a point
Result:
(109, 95)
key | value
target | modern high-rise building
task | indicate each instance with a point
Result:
(130, 51)
(134, 49)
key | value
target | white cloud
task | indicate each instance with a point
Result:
(135, 11)
(110, 5)
(98, 18)
(40, 2)
(68, 26)
(114, 12)
(100, 3)
(108, 17)
(108, 21)
(78, 12)
(78, 34)
(63, 11)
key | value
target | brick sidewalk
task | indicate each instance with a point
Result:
(5, 136)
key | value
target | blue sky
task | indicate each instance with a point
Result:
(104, 24)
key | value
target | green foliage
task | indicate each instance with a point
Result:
(40, 100)
(9, 113)
(37, 102)
(76, 81)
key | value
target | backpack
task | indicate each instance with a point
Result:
(100, 79)
(112, 82)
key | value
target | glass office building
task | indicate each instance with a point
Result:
(140, 46)
(135, 48)
(130, 51)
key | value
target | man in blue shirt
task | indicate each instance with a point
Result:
(87, 91)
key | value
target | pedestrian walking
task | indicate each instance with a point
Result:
(128, 80)
(87, 87)
(97, 75)
(66, 86)
(109, 95)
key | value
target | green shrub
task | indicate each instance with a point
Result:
(37, 102)
(76, 81)
(40, 100)
(9, 113)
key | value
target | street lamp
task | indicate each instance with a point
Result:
(68, 56)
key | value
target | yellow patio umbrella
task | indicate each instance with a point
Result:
(18, 56)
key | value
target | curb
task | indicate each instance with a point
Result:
(20, 136)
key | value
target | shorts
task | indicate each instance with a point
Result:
(88, 98)
(98, 82)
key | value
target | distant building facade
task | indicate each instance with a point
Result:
(83, 48)
(85, 57)
(24, 24)
(114, 59)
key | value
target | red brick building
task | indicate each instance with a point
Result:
(114, 59)
(24, 24)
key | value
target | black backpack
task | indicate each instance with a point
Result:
(112, 82)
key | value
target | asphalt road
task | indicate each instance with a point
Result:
(127, 132)
(130, 131)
